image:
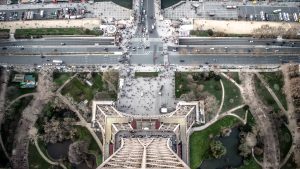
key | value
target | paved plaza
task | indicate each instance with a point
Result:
(140, 96)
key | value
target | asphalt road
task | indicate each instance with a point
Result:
(58, 41)
(237, 41)
(143, 59)
(148, 5)
(84, 51)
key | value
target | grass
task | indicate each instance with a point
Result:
(210, 33)
(232, 96)
(59, 78)
(264, 94)
(199, 33)
(168, 3)
(240, 112)
(13, 88)
(124, 3)
(35, 160)
(81, 91)
(276, 83)
(4, 33)
(39, 32)
(145, 74)
(11, 120)
(182, 85)
(199, 140)
(234, 76)
(250, 164)
(83, 134)
(285, 140)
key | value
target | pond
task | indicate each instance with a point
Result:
(232, 157)
(58, 150)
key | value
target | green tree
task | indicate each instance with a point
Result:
(217, 149)
(210, 32)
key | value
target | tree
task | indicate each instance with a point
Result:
(58, 131)
(210, 32)
(217, 149)
(78, 152)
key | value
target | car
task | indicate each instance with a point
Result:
(42, 56)
(133, 49)
(22, 48)
(181, 61)
(48, 59)
(62, 43)
(280, 16)
(4, 48)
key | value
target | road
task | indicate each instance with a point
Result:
(58, 41)
(145, 59)
(238, 41)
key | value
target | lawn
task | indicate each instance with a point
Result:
(276, 82)
(145, 74)
(79, 90)
(232, 96)
(181, 84)
(285, 140)
(84, 135)
(250, 164)
(39, 32)
(11, 120)
(35, 160)
(13, 88)
(210, 33)
(168, 3)
(264, 94)
(124, 3)
(199, 33)
(235, 76)
(199, 141)
(4, 33)
(211, 85)
(60, 78)
(240, 112)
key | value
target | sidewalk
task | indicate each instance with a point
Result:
(83, 23)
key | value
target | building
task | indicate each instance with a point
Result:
(25, 81)
(133, 141)
(29, 82)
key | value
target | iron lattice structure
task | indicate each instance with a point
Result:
(127, 143)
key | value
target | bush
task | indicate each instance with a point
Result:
(210, 32)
